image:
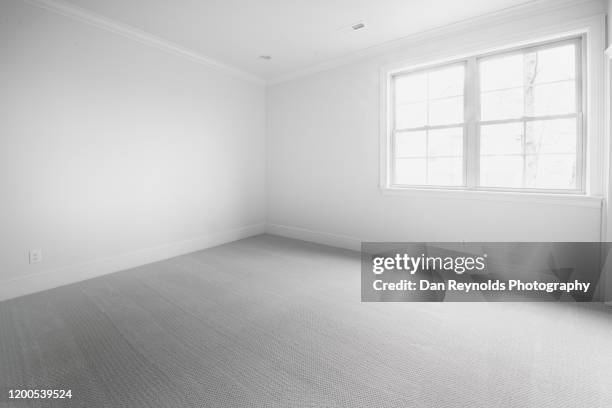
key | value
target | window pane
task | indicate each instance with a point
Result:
(410, 144)
(501, 72)
(445, 171)
(555, 64)
(410, 171)
(550, 161)
(504, 104)
(446, 111)
(411, 115)
(503, 138)
(446, 82)
(533, 83)
(551, 136)
(411, 88)
(551, 99)
(551, 171)
(429, 98)
(501, 171)
(446, 142)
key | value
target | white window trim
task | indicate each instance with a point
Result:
(592, 31)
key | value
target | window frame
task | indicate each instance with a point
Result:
(472, 122)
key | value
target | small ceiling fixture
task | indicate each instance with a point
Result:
(358, 26)
(265, 57)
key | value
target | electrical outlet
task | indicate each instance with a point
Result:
(35, 256)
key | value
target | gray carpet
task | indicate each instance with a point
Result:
(272, 322)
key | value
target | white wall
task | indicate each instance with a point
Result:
(114, 153)
(324, 158)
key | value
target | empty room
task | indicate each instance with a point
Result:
(268, 203)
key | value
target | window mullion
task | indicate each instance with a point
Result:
(471, 128)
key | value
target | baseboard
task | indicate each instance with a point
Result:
(52, 278)
(319, 237)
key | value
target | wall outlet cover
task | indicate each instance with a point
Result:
(35, 256)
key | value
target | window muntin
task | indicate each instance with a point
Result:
(505, 121)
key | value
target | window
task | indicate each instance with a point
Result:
(504, 121)
(429, 127)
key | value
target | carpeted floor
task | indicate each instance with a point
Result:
(272, 322)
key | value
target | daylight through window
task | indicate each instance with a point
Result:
(507, 121)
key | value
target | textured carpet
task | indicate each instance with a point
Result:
(272, 322)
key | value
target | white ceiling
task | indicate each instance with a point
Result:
(297, 34)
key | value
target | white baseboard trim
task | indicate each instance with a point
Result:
(319, 237)
(52, 278)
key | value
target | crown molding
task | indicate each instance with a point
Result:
(143, 37)
(527, 9)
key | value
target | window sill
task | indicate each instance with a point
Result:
(575, 200)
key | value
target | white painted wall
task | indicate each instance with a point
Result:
(114, 153)
(324, 157)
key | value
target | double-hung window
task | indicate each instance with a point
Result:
(507, 121)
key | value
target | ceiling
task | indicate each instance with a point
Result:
(297, 34)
